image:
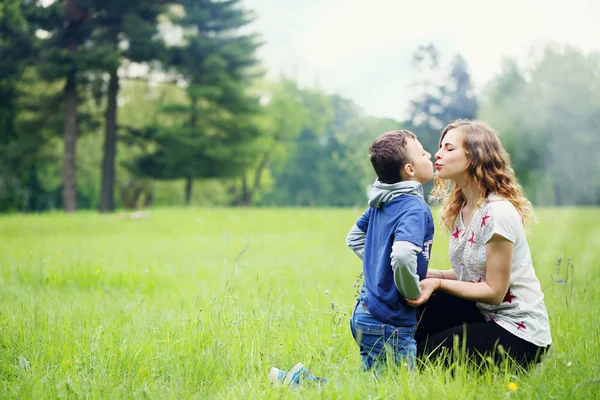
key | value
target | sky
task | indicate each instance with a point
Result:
(362, 49)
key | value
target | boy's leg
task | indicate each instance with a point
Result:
(369, 334)
(444, 311)
(374, 338)
(404, 345)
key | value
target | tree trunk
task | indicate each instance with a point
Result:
(74, 16)
(149, 199)
(246, 195)
(188, 190)
(259, 170)
(107, 203)
(70, 138)
(557, 195)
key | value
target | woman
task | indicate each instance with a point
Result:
(491, 296)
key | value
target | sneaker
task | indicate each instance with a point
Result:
(295, 376)
(276, 375)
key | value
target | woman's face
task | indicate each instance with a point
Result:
(451, 159)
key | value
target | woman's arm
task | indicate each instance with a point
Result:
(441, 274)
(498, 263)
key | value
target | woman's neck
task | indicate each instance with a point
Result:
(469, 192)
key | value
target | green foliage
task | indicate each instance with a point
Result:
(15, 51)
(204, 116)
(331, 148)
(217, 64)
(547, 114)
(15, 48)
(206, 193)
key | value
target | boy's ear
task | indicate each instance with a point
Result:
(408, 170)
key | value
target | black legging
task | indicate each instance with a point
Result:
(445, 316)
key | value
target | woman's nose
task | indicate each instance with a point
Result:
(437, 155)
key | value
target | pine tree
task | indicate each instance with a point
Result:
(128, 31)
(16, 47)
(217, 63)
(63, 56)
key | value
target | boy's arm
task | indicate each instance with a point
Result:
(404, 265)
(356, 240)
(357, 236)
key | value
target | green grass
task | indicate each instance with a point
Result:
(200, 303)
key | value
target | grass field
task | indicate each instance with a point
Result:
(200, 303)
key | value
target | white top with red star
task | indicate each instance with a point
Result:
(522, 312)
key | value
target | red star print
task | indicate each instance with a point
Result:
(456, 233)
(478, 281)
(492, 319)
(508, 297)
(485, 217)
(521, 325)
(472, 240)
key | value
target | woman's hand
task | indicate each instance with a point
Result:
(428, 286)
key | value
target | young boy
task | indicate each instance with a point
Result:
(393, 238)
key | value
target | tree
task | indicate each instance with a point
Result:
(128, 30)
(438, 104)
(283, 114)
(61, 57)
(16, 37)
(15, 50)
(328, 163)
(217, 63)
(505, 108)
(548, 114)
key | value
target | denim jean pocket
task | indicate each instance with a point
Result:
(405, 331)
(369, 328)
(370, 336)
(404, 343)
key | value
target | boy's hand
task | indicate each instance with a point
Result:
(428, 286)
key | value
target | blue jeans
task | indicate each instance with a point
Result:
(377, 340)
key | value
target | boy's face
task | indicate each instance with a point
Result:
(420, 167)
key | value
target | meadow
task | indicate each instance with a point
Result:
(200, 303)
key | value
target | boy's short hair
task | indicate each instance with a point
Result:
(388, 155)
